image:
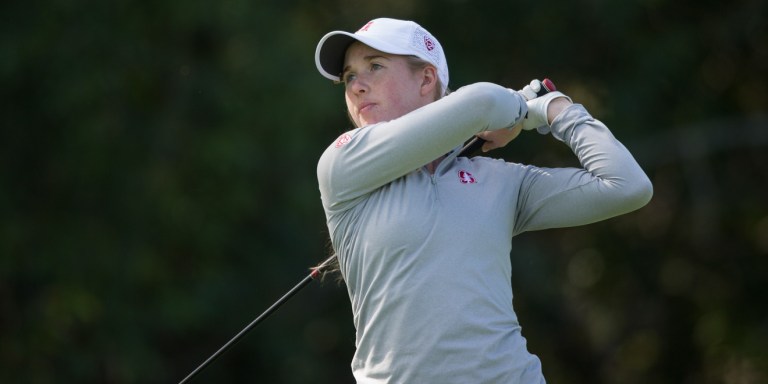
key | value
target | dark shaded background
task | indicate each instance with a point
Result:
(158, 189)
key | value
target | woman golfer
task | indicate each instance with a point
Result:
(423, 236)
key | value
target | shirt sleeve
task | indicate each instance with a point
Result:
(367, 158)
(610, 182)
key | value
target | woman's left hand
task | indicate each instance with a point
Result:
(499, 138)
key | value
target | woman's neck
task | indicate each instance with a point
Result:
(431, 167)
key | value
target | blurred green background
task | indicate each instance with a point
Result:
(158, 190)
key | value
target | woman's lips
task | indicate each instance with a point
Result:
(364, 107)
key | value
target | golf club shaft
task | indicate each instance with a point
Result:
(316, 271)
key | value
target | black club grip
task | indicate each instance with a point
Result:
(474, 144)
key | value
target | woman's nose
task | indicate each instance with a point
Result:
(359, 85)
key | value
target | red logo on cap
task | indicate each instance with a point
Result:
(466, 177)
(429, 43)
(343, 139)
(365, 27)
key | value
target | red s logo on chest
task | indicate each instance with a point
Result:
(466, 177)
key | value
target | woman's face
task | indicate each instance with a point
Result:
(382, 87)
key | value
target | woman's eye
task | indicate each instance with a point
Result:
(349, 77)
(375, 66)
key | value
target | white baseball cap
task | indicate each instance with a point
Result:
(396, 37)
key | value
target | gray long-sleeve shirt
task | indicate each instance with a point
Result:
(426, 257)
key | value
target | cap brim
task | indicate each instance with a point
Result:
(330, 52)
(329, 55)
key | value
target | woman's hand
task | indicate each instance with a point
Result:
(499, 138)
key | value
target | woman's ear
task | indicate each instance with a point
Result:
(429, 80)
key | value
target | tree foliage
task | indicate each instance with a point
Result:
(158, 191)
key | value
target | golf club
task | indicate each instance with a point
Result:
(471, 146)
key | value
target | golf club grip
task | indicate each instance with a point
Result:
(476, 143)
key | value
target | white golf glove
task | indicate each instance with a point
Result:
(537, 106)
